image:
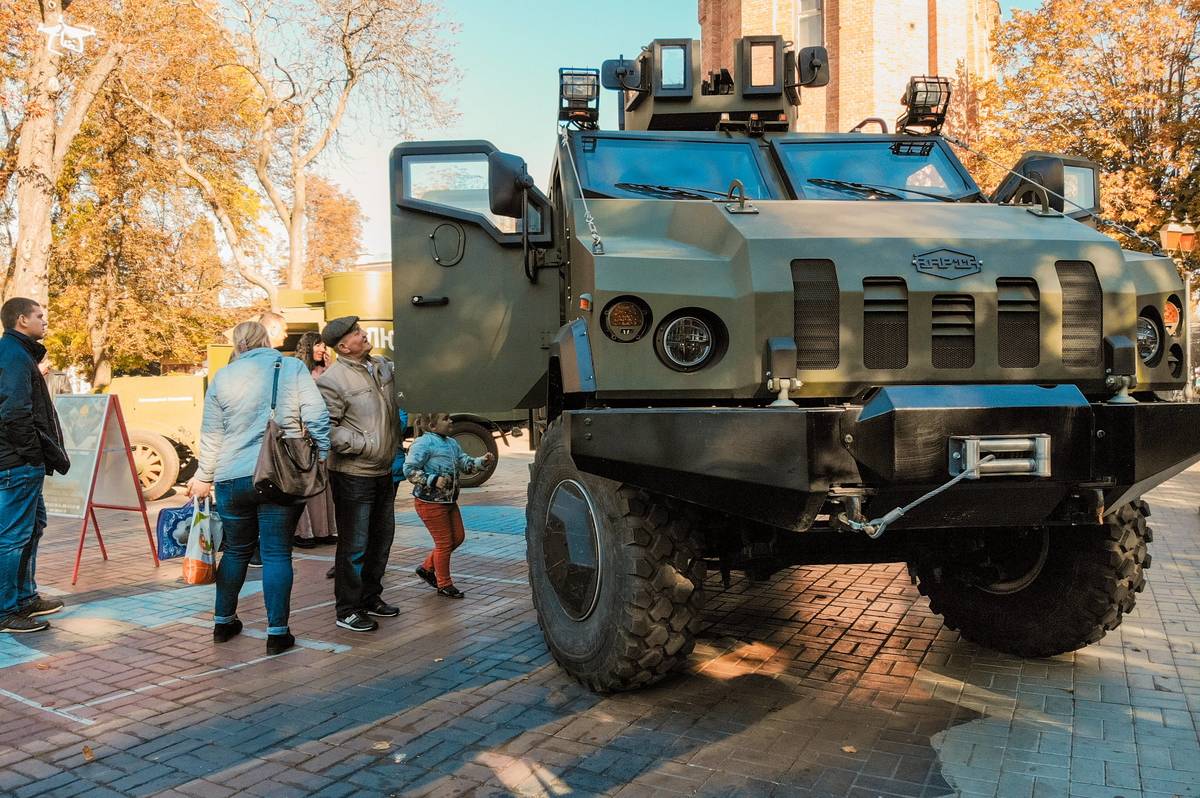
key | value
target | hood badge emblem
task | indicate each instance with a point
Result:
(948, 263)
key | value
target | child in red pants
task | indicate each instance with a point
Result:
(433, 465)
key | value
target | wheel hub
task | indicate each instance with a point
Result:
(1016, 562)
(148, 463)
(571, 549)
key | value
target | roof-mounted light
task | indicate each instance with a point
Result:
(925, 102)
(579, 96)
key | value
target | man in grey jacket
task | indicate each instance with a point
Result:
(358, 389)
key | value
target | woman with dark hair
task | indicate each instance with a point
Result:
(311, 351)
(317, 524)
(260, 384)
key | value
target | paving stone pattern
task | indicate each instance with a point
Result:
(826, 681)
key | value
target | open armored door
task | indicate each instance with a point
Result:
(471, 331)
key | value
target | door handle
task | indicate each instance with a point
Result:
(430, 301)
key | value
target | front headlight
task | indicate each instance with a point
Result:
(686, 343)
(1149, 340)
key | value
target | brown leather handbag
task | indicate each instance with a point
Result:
(288, 470)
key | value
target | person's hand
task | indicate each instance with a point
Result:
(488, 459)
(441, 483)
(198, 489)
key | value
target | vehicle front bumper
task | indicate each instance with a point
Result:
(779, 465)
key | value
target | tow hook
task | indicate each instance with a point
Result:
(875, 528)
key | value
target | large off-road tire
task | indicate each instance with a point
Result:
(1078, 587)
(157, 463)
(617, 578)
(476, 440)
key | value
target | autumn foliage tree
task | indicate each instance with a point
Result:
(1115, 81)
(135, 271)
(333, 230)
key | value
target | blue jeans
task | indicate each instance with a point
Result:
(246, 523)
(22, 520)
(366, 524)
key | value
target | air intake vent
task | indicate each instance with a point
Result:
(816, 320)
(885, 323)
(1083, 313)
(1018, 331)
(953, 331)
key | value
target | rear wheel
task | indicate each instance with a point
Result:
(1039, 592)
(618, 582)
(476, 440)
(156, 461)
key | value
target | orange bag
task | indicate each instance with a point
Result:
(200, 560)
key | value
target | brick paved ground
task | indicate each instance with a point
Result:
(827, 681)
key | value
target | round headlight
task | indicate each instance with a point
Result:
(687, 343)
(624, 320)
(1149, 341)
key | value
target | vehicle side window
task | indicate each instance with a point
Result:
(459, 181)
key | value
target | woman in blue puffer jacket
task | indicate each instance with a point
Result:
(433, 465)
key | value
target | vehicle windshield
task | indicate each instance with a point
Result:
(668, 169)
(910, 169)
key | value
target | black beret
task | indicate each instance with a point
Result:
(335, 330)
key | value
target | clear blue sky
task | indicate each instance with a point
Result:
(508, 55)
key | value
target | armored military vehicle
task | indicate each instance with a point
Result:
(759, 348)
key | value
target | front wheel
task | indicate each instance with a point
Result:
(1043, 591)
(617, 579)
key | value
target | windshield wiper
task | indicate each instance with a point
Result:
(880, 191)
(671, 192)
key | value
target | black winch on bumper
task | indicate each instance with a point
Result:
(780, 465)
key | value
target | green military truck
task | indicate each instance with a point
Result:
(163, 414)
(758, 348)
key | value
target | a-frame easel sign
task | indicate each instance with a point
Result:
(102, 476)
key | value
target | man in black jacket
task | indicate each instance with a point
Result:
(31, 446)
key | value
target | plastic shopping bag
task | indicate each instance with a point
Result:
(171, 530)
(204, 538)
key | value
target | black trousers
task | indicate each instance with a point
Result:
(366, 525)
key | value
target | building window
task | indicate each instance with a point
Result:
(810, 24)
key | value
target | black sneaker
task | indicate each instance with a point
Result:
(450, 591)
(256, 560)
(277, 644)
(41, 606)
(429, 576)
(304, 543)
(331, 572)
(20, 624)
(357, 622)
(383, 609)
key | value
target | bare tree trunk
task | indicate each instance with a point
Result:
(35, 179)
(296, 259)
(41, 152)
(99, 313)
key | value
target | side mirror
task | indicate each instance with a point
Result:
(1077, 179)
(507, 181)
(812, 64)
(621, 74)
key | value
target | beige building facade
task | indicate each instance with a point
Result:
(874, 47)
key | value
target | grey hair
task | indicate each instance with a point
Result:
(250, 335)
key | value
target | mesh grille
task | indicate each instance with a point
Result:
(953, 331)
(885, 323)
(816, 318)
(1083, 313)
(1018, 329)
